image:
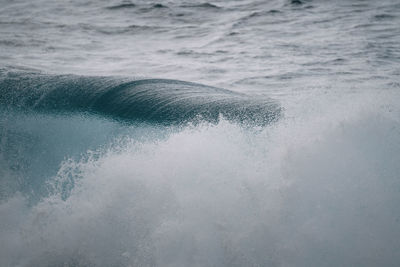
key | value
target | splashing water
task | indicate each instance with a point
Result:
(300, 192)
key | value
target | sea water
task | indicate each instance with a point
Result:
(108, 159)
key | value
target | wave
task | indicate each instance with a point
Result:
(122, 6)
(203, 5)
(161, 101)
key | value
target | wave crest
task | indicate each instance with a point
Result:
(150, 100)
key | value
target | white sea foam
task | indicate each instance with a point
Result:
(319, 190)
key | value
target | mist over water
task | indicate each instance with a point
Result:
(294, 163)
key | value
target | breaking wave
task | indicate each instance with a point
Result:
(167, 102)
(84, 190)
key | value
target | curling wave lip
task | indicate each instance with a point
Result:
(162, 101)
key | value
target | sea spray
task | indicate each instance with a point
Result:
(297, 193)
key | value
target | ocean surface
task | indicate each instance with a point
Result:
(194, 133)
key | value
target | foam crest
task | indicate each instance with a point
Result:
(306, 192)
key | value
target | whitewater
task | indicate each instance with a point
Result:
(187, 133)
